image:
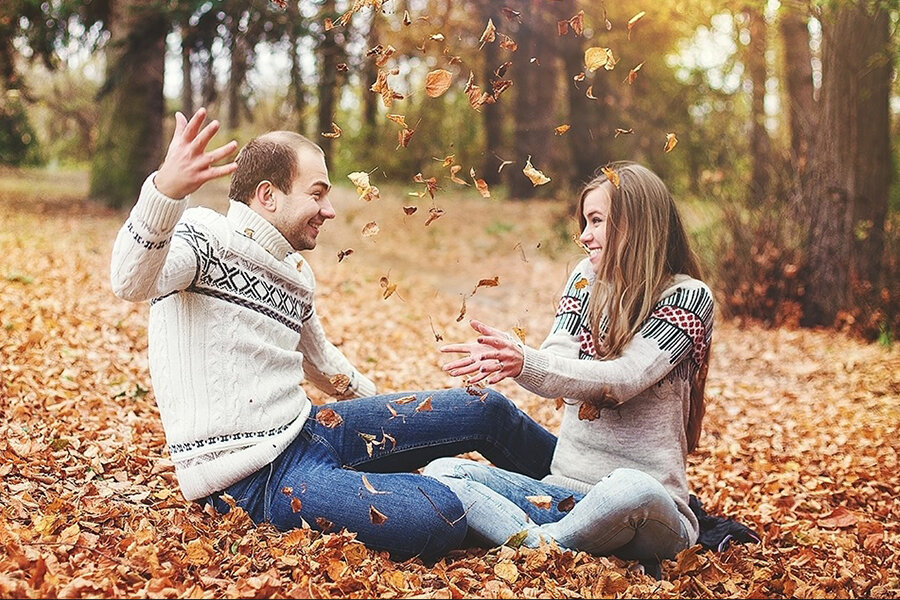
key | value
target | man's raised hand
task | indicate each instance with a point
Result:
(188, 165)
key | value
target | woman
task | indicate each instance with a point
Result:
(628, 351)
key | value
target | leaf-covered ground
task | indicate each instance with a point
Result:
(800, 440)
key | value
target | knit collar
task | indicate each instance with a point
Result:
(248, 222)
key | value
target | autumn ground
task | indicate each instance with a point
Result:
(800, 440)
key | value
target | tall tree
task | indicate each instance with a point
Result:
(330, 54)
(798, 79)
(129, 144)
(755, 61)
(847, 193)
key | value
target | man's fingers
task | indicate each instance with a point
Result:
(205, 135)
(193, 126)
(223, 151)
(180, 123)
(223, 170)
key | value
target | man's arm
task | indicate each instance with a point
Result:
(327, 367)
(146, 261)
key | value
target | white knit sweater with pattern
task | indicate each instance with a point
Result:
(232, 332)
(651, 379)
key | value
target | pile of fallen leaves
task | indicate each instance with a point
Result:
(800, 439)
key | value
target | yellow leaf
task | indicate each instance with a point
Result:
(506, 570)
(537, 178)
(398, 119)
(596, 57)
(581, 283)
(611, 175)
(562, 129)
(197, 553)
(437, 82)
(633, 20)
(671, 140)
(520, 333)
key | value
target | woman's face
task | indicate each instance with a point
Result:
(595, 211)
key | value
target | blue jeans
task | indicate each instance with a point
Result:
(627, 513)
(319, 477)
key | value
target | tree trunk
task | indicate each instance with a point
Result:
(187, 80)
(370, 100)
(129, 144)
(491, 114)
(237, 75)
(760, 145)
(297, 90)
(798, 82)
(330, 53)
(535, 99)
(847, 194)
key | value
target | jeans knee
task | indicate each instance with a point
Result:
(442, 467)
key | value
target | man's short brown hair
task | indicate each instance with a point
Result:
(271, 157)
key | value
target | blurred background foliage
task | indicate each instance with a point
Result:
(785, 113)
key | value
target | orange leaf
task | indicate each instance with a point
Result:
(425, 405)
(375, 516)
(562, 129)
(334, 133)
(296, 505)
(671, 140)
(328, 418)
(839, 518)
(537, 178)
(437, 82)
(488, 35)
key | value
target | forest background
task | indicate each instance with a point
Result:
(774, 124)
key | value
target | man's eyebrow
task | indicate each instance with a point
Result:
(321, 183)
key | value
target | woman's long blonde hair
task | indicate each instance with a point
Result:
(646, 246)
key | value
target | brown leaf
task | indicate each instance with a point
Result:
(404, 136)
(453, 171)
(560, 402)
(287, 490)
(838, 518)
(623, 132)
(329, 418)
(492, 282)
(462, 311)
(433, 215)
(399, 120)
(611, 175)
(375, 516)
(334, 133)
(410, 209)
(370, 229)
(405, 399)
(324, 524)
(344, 254)
(296, 505)
(506, 570)
(340, 382)
(437, 82)
(501, 70)
(507, 43)
(489, 34)
(387, 287)
(511, 14)
(588, 411)
(632, 74)
(566, 504)
(562, 129)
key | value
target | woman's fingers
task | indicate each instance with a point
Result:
(485, 329)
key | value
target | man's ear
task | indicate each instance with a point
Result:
(264, 194)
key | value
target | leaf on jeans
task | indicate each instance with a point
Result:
(296, 505)
(375, 516)
(516, 539)
(566, 504)
(324, 524)
(328, 418)
(369, 487)
(287, 490)
(405, 399)
(542, 502)
(425, 405)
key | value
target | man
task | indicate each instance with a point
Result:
(233, 331)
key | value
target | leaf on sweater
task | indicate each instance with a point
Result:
(542, 502)
(329, 418)
(520, 333)
(588, 411)
(566, 504)
(340, 382)
(581, 284)
(376, 516)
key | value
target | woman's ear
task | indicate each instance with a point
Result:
(265, 194)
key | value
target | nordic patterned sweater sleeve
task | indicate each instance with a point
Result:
(147, 260)
(323, 363)
(679, 329)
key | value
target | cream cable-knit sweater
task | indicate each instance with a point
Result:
(651, 379)
(232, 330)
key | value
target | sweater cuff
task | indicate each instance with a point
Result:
(157, 212)
(535, 367)
(365, 387)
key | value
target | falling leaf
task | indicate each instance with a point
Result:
(633, 21)
(537, 178)
(489, 34)
(437, 337)
(511, 14)
(492, 282)
(506, 570)
(328, 418)
(453, 171)
(562, 129)
(425, 405)
(671, 140)
(596, 57)
(324, 524)
(447, 160)
(566, 504)
(404, 136)
(375, 516)
(589, 92)
(327, 24)
(437, 82)
(562, 27)
(578, 78)
(344, 254)
(462, 311)
(370, 229)
(581, 284)
(296, 505)
(508, 44)
(499, 86)
(501, 70)
(437, 37)
(406, 19)
(367, 192)
(369, 487)
(480, 184)
(560, 402)
(542, 502)
(623, 132)
(334, 133)
(503, 164)
(433, 215)
(410, 209)
(388, 287)
(577, 23)
(430, 183)
(342, 67)
(398, 119)
(632, 74)
(340, 382)
(381, 86)
(520, 333)
(611, 175)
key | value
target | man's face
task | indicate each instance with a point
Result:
(300, 214)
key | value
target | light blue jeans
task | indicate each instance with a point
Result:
(627, 513)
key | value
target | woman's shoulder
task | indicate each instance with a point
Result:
(688, 292)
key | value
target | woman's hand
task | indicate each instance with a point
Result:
(188, 165)
(494, 355)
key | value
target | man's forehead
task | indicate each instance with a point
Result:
(312, 169)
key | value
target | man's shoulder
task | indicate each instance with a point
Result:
(203, 224)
